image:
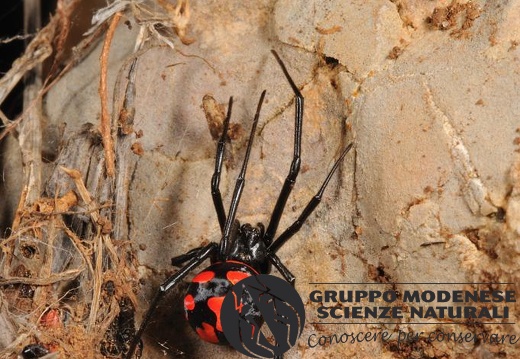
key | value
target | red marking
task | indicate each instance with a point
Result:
(204, 277)
(207, 333)
(189, 302)
(215, 304)
(236, 276)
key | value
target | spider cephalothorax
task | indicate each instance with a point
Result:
(249, 247)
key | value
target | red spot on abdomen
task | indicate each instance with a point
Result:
(215, 304)
(207, 333)
(203, 277)
(236, 276)
(189, 302)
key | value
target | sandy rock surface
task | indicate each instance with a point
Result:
(426, 90)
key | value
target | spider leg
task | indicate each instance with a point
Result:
(183, 258)
(311, 206)
(215, 179)
(225, 244)
(287, 275)
(197, 259)
(295, 164)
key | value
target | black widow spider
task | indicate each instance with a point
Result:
(244, 250)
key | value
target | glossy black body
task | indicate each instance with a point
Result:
(249, 246)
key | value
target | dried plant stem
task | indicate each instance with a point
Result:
(99, 239)
(19, 211)
(39, 49)
(30, 131)
(63, 276)
(106, 128)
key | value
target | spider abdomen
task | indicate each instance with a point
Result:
(206, 292)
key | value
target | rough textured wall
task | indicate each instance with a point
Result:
(427, 91)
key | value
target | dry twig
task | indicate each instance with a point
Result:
(106, 128)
